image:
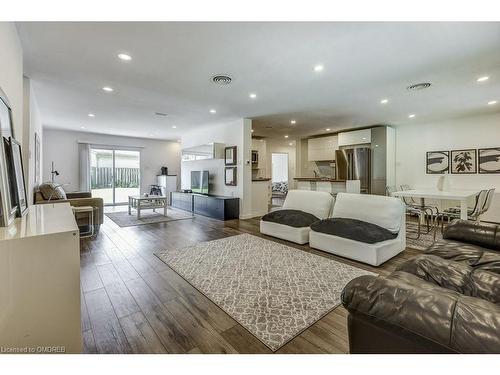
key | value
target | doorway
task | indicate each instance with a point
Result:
(114, 174)
(279, 178)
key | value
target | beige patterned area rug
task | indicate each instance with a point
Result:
(273, 290)
(123, 219)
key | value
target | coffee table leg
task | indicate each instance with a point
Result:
(165, 208)
(129, 204)
(138, 210)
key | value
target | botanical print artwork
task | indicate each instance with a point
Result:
(463, 161)
(273, 290)
(438, 162)
(489, 160)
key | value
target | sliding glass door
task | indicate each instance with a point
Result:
(114, 174)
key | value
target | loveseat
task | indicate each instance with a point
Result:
(446, 300)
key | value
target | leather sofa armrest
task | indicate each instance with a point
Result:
(79, 194)
(461, 323)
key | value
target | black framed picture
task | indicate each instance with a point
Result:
(230, 155)
(489, 160)
(437, 162)
(16, 176)
(8, 207)
(463, 161)
(230, 176)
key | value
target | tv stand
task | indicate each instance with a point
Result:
(215, 206)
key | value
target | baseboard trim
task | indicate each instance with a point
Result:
(252, 215)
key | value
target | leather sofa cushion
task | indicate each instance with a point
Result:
(472, 255)
(353, 229)
(52, 191)
(482, 234)
(291, 218)
(455, 276)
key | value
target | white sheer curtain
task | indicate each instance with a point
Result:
(84, 156)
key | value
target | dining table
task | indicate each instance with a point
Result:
(463, 196)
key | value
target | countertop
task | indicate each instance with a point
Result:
(318, 179)
(261, 179)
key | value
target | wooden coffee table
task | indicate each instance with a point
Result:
(151, 202)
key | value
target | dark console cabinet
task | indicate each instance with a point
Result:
(183, 201)
(218, 207)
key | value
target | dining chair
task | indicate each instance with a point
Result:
(473, 214)
(410, 210)
(429, 211)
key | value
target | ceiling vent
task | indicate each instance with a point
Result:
(222, 79)
(160, 114)
(419, 86)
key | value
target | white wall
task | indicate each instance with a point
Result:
(237, 133)
(413, 141)
(32, 125)
(11, 74)
(62, 147)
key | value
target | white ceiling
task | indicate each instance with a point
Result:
(172, 64)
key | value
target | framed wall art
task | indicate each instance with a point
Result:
(8, 207)
(489, 160)
(230, 176)
(437, 162)
(230, 155)
(463, 161)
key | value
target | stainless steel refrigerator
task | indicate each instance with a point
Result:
(354, 164)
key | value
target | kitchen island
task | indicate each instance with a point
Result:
(330, 185)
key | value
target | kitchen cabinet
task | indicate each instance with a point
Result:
(355, 137)
(322, 148)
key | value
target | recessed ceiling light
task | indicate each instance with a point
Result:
(411, 116)
(82, 127)
(290, 144)
(174, 127)
(384, 101)
(107, 88)
(91, 115)
(482, 79)
(286, 136)
(252, 96)
(293, 122)
(319, 68)
(124, 57)
(492, 102)
(328, 129)
(252, 130)
(213, 111)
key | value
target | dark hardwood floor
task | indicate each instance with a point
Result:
(133, 303)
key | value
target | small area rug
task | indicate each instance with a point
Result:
(123, 219)
(273, 290)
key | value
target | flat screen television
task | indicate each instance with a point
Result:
(199, 182)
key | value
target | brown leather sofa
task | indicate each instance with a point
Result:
(78, 199)
(446, 300)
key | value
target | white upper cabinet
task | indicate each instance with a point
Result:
(356, 137)
(322, 149)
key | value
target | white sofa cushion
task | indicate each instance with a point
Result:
(382, 211)
(317, 203)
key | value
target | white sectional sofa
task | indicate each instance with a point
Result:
(300, 209)
(367, 228)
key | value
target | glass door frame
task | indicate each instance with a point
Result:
(113, 150)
